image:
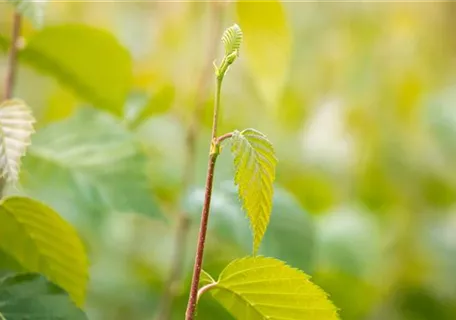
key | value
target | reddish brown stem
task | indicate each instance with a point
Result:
(12, 58)
(223, 137)
(191, 307)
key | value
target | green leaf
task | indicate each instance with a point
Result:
(33, 10)
(16, 128)
(232, 38)
(41, 241)
(9, 265)
(254, 164)
(86, 165)
(258, 288)
(30, 296)
(267, 45)
(88, 60)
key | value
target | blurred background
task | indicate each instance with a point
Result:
(357, 98)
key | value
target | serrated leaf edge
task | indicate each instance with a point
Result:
(245, 134)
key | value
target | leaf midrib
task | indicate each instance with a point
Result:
(219, 286)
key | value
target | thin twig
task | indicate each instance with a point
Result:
(191, 307)
(173, 283)
(214, 148)
(12, 57)
(11, 71)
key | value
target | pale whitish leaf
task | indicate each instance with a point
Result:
(254, 164)
(32, 9)
(16, 128)
(30, 296)
(88, 165)
(232, 38)
(260, 288)
(267, 45)
(41, 241)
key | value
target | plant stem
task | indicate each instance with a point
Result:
(11, 71)
(216, 107)
(12, 57)
(192, 300)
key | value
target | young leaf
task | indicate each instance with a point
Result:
(267, 44)
(88, 60)
(30, 296)
(41, 241)
(257, 288)
(254, 163)
(31, 9)
(232, 39)
(16, 128)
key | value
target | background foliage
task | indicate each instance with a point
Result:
(359, 107)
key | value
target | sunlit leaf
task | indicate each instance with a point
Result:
(254, 163)
(41, 241)
(258, 288)
(88, 60)
(88, 165)
(30, 296)
(267, 44)
(32, 9)
(16, 128)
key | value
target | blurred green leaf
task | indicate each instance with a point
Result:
(254, 174)
(33, 10)
(30, 296)
(163, 139)
(344, 289)
(88, 60)
(41, 241)
(88, 165)
(16, 127)
(290, 234)
(255, 288)
(8, 264)
(267, 45)
(159, 102)
(348, 241)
